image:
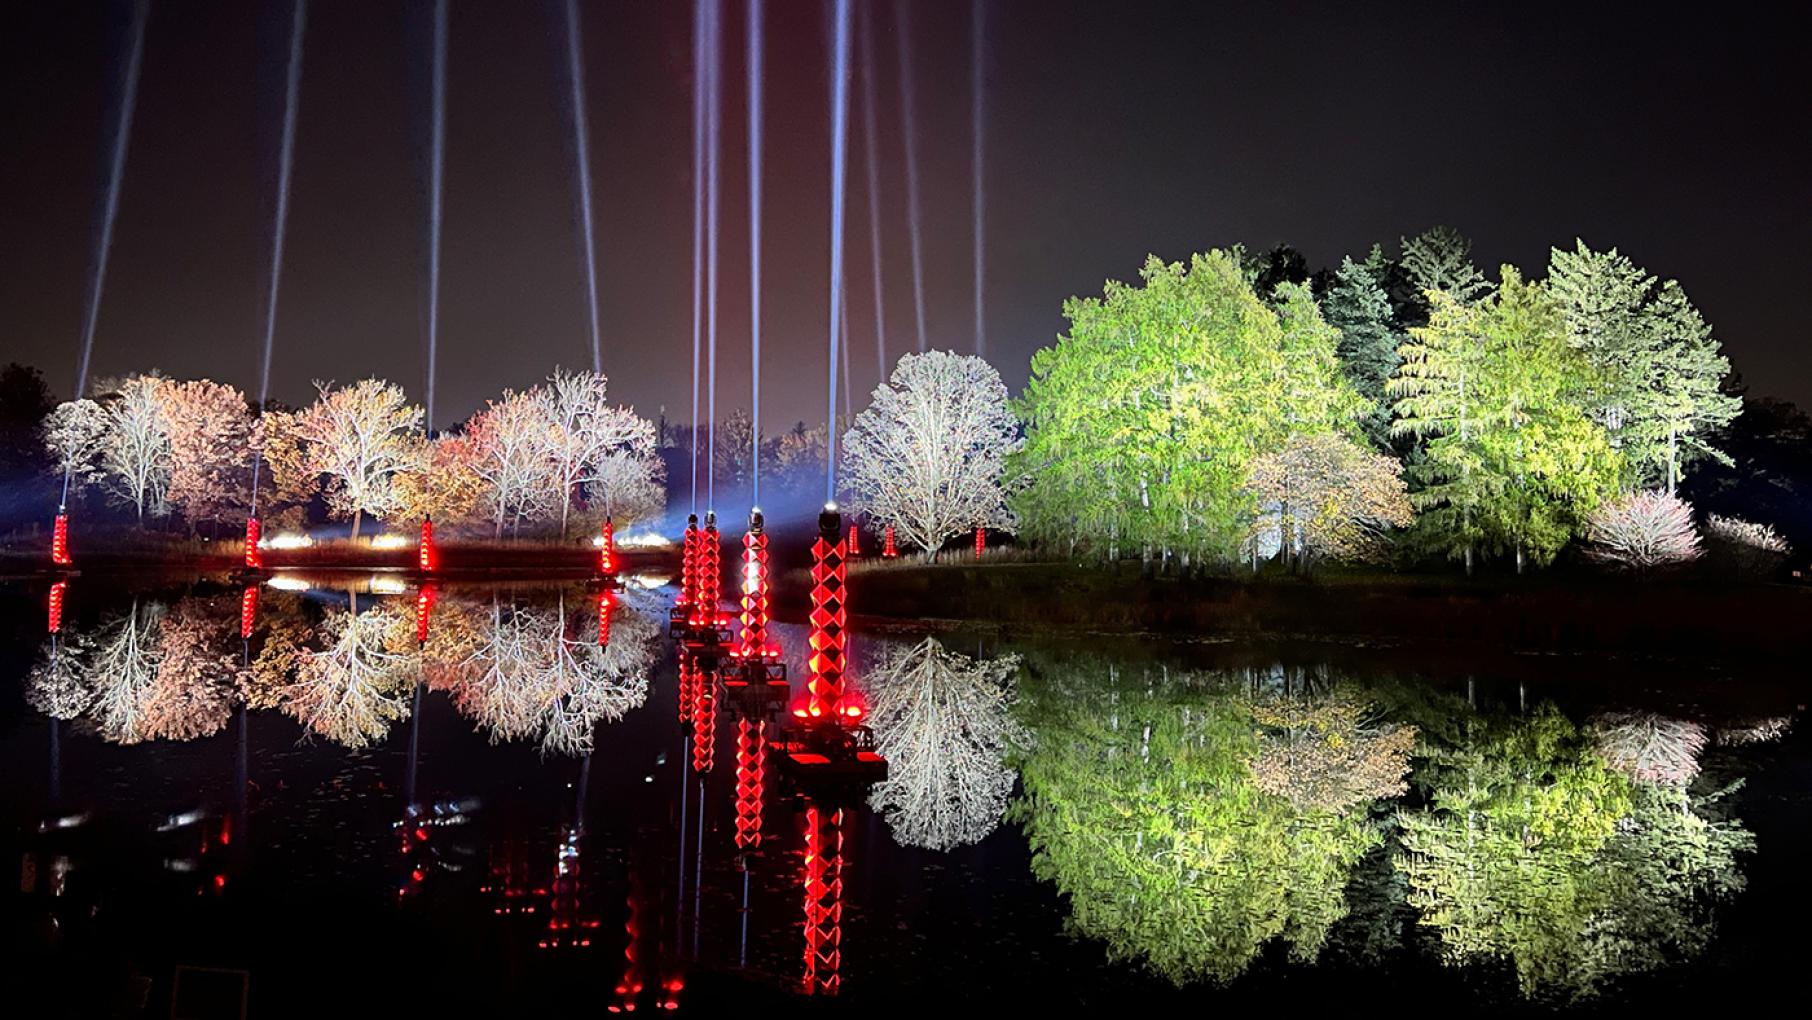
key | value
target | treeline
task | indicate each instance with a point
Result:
(198, 453)
(1239, 408)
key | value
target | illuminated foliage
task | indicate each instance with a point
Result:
(1327, 753)
(118, 441)
(1141, 423)
(359, 437)
(927, 454)
(1141, 805)
(354, 687)
(1359, 307)
(1322, 495)
(212, 437)
(943, 722)
(1643, 531)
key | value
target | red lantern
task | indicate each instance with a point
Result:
(59, 541)
(254, 557)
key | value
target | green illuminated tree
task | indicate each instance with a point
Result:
(1440, 258)
(1359, 307)
(1657, 373)
(1142, 419)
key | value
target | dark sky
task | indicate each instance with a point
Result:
(1113, 129)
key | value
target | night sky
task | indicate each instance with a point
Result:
(1113, 129)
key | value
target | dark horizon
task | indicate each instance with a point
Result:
(1160, 128)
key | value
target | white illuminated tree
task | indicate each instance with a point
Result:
(510, 444)
(606, 451)
(118, 441)
(74, 434)
(192, 693)
(354, 688)
(128, 653)
(57, 685)
(943, 723)
(212, 436)
(360, 437)
(926, 455)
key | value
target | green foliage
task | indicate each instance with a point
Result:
(1657, 374)
(1509, 460)
(1141, 421)
(1359, 307)
(1440, 259)
(1140, 804)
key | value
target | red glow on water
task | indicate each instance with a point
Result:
(822, 877)
(254, 556)
(248, 611)
(59, 541)
(58, 592)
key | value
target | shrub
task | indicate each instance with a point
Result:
(1643, 531)
(1752, 550)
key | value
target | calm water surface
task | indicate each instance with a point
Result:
(510, 817)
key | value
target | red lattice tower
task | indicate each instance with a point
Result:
(689, 563)
(424, 608)
(888, 550)
(427, 557)
(981, 541)
(688, 671)
(607, 549)
(59, 540)
(704, 719)
(58, 592)
(254, 556)
(606, 602)
(248, 611)
(823, 878)
(751, 775)
(855, 543)
(829, 619)
(710, 568)
(753, 640)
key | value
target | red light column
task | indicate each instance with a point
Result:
(829, 618)
(427, 557)
(58, 592)
(980, 542)
(751, 778)
(855, 544)
(822, 876)
(709, 567)
(704, 719)
(59, 540)
(605, 604)
(753, 641)
(424, 608)
(687, 673)
(248, 611)
(689, 563)
(607, 549)
(888, 551)
(254, 556)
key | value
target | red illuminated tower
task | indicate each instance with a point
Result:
(59, 539)
(248, 611)
(688, 592)
(254, 556)
(606, 602)
(424, 609)
(888, 551)
(688, 671)
(980, 543)
(751, 780)
(822, 877)
(829, 619)
(855, 543)
(607, 549)
(704, 718)
(708, 563)
(427, 557)
(58, 592)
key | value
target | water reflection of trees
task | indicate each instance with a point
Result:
(1191, 819)
(522, 668)
(943, 721)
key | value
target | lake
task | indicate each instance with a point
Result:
(501, 815)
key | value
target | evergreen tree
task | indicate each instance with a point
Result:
(1440, 258)
(1359, 307)
(1657, 384)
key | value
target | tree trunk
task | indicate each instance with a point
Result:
(357, 516)
(1469, 559)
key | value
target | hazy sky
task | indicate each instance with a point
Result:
(1113, 129)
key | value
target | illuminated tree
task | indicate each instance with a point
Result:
(1643, 531)
(926, 456)
(191, 694)
(943, 723)
(57, 685)
(1140, 804)
(1657, 374)
(1326, 753)
(353, 688)
(212, 437)
(359, 437)
(118, 441)
(442, 481)
(510, 443)
(1752, 550)
(1650, 748)
(1440, 259)
(608, 451)
(1359, 307)
(1321, 495)
(1143, 419)
(1509, 461)
(127, 656)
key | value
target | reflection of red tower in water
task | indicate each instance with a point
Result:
(704, 716)
(606, 603)
(248, 611)
(424, 611)
(569, 924)
(58, 592)
(751, 780)
(822, 878)
(510, 886)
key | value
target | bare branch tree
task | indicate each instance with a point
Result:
(927, 454)
(354, 688)
(359, 436)
(1643, 531)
